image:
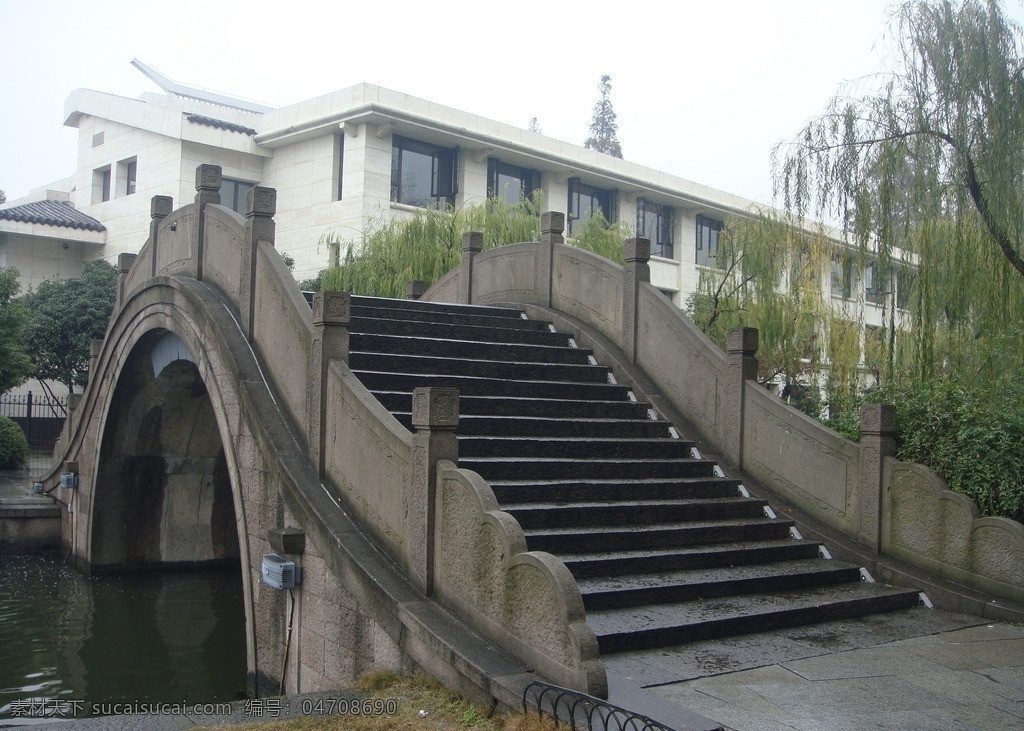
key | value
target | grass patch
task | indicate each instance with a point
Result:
(422, 705)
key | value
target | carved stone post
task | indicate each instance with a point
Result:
(435, 414)
(160, 207)
(260, 207)
(877, 441)
(95, 346)
(472, 244)
(415, 289)
(741, 346)
(124, 265)
(208, 180)
(636, 271)
(552, 224)
(331, 316)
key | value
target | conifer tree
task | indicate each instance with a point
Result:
(604, 130)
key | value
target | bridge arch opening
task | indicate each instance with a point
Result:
(163, 493)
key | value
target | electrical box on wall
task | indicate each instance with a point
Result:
(68, 480)
(280, 573)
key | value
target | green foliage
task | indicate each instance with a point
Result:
(605, 239)
(15, 365)
(13, 445)
(604, 129)
(428, 244)
(64, 315)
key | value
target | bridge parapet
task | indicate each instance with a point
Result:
(894, 517)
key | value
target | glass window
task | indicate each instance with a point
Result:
(840, 274)
(130, 172)
(422, 174)
(874, 286)
(904, 288)
(656, 223)
(101, 184)
(708, 230)
(586, 201)
(233, 193)
(339, 167)
(510, 183)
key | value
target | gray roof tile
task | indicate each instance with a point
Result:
(220, 124)
(51, 213)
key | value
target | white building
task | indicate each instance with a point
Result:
(340, 161)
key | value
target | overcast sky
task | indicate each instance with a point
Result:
(703, 90)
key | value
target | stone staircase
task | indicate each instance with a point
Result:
(666, 549)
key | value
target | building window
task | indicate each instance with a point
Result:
(586, 201)
(656, 223)
(423, 175)
(233, 193)
(339, 164)
(904, 288)
(126, 174)
(510, 183)
(842, 282)
(874, 285)
(101, 185)
(708, 230)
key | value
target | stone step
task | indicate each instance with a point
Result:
(526, 447)
(463, 312)
(633, 514)
(662, 625)
(497, 330)
(508, 370)
(622, 563)
(469, 349)
(388, 379)
(522, 468)
(539, 427)
(397, 401)
(683, 586)
(511, 492)
(650, 537)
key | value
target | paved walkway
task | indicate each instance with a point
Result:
(970, 678)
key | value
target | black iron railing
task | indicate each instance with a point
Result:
(40, 417)
(581, 711)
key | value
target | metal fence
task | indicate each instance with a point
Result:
(581, 711)
(40, 417)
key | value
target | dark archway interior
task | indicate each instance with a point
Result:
(163, 492)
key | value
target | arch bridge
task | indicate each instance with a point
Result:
(226, 418)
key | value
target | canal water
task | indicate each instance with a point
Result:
(158, 638)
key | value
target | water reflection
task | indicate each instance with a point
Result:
(157, 638)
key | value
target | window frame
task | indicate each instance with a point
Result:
(841, 277)
(663, 241)
(715, 227)
(606, 198)
(873, 291)
(444, 175)
(529, 179)
(239, 190)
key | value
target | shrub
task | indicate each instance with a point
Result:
(13, 445)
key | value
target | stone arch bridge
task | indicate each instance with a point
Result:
(226, 418)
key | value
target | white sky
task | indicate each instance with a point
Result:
(703, 90)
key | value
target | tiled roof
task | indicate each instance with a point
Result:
(220, 124)
(51, 213)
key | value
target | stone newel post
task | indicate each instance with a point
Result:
(208, 180)
(124, 265)
(160, 207)
(332, 312)
(552, 224)
(636, 272)
(741, 346)
(877, 441)
(472, 244)
(435, 414)
(260, 207)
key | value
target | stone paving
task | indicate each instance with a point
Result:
(960, 680)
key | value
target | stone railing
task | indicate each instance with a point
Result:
(858, 490)
(404, 488)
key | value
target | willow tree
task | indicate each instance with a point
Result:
(929, 165)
